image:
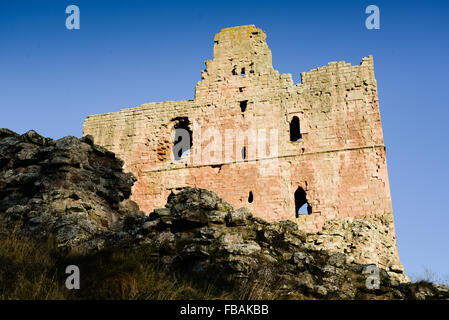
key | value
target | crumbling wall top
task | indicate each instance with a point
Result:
(340, 72)
(241, 56)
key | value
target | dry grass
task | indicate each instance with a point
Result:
(27, 271)
(30, 271)
(430, 276)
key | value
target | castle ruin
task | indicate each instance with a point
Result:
(328, 150)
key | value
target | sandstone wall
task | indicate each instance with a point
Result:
(340, 161)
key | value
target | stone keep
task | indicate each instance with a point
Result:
(336, 161)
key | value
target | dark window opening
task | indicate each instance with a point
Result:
(252, 67)
(170, 196)
(302, 206)
(243, 105)
(183, 138)
(241, 89)
(244, 153)
(234, 72)
(242, 73)
(295, 133)
(250, 197)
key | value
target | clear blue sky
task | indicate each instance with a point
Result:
(131, 52)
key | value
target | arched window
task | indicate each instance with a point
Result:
(295, 133)
(183, 138)
(301, 204)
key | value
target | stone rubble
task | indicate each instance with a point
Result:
(76, 193)
(69, 189)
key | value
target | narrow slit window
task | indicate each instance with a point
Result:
(250, 197)
(243, 105)
(242, 72)
(244, 153)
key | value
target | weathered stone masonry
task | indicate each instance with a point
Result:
(340, 162)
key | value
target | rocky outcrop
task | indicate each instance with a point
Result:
(202, 234)
(364, 241)
(76, 193)
(70, 190)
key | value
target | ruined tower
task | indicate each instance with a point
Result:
(260, 141)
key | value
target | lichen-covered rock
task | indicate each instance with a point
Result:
(75, 193)
(364, 241)
(68, 189)
(231, 247)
